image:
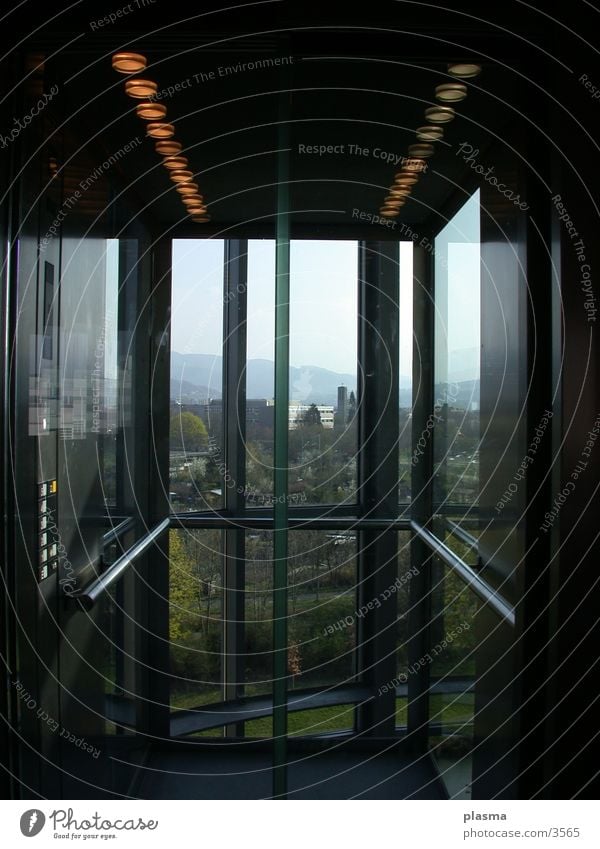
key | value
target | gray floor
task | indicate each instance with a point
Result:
(224, 775)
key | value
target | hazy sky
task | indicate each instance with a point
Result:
(323, 301)
(458, 286)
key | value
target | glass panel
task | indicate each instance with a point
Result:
(323, 339)
(451, 659)
(258, 607)
(260, 331)
(195, 617)
(405, 359)
(322, 608)
(457, 358)
(405, 574)
(105, 379)
(197, 465)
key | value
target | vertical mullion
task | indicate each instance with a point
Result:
(280, 482)
(234, 438)
(422, 499)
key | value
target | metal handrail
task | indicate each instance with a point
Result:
(90, 594)
(474, 581)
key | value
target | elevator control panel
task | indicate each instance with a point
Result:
(48, 541)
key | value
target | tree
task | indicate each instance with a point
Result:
(188, 432)
(312, 416)
(351, 407)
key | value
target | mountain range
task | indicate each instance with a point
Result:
(197, 377)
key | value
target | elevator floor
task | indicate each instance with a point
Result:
(326, 775)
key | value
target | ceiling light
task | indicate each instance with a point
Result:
(140, 89)
(200, 219)
(414, 166)
(168, 148)
(190, 201)
(386, 212)
(430, 133)
(404, 178)
(396, 194)
(464, 70)
(440, 114)
(182, 176)
(188, 189)
(129, 63)
(172, 162)
(451, 92)
(421, 151)
(151, 111)
(160, 131)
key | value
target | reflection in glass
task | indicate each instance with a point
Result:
(457, 359)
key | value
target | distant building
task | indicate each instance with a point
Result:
(341, 413)
(297, 409)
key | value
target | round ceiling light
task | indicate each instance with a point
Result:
(464, 70)
(151, 111)
(188, 189)
(181, 176)
(190, 200)
(398, 194)
(168, 148)
(129, 63)
(440, 114)
(386, 212)
(173, 162)
(414, 166)
(201, 219)
(430, 134)
(140, 89)
(160, 131)
(421, 151)
(404, 178)
(451, 92)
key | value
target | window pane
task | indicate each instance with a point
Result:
(405, 360)
(322, 608)
(457, 359)
(258, 605)
(402, 589)
(260, 372)
(195, 617)
(452, 681)
(323, 339)
(197, 465)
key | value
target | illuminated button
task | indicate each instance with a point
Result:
(53, 487)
